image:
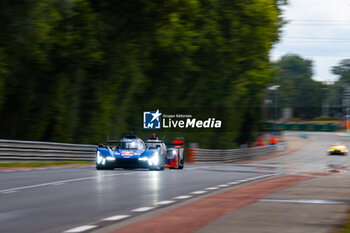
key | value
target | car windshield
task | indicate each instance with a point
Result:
(153, 144)
(130, 145)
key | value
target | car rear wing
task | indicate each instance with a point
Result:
(154, 147)
(177, 143)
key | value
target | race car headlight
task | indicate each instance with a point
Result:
(143, 159)
(171, 154)
(109, 158)
(99, 158)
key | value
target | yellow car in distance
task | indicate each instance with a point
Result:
(337, 149)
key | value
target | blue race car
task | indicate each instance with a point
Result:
(129, 152)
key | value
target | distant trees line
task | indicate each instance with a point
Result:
(78, 70)
(304, 95)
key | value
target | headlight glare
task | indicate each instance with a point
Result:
(155, 159)
(99, 158)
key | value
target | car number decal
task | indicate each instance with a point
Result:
(126, 153)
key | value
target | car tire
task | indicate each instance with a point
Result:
(104, 168)
(181, 165)
(160, 168)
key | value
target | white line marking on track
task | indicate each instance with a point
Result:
(212, 188)
(81, 228)
(58, 183)
(65, 181)
(242, 181)
(306, 201)
(116, 217)
(165, 202)
(142, 209)
(253, 178)
(199, 192)
(235, 182)
(223, 185)
(182, 197)
(7, 192)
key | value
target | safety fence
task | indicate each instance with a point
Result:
(33, 150)
(197, 155)
(295, 126)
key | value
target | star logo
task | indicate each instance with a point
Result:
(151, 120)
(156, 115)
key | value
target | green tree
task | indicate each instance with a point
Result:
(78, 70)
(343, 70)
(337, 90)
(298, 90)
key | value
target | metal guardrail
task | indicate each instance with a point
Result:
(232, 155)
(33, 150)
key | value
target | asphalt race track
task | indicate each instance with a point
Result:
(59, 200)
(56, 200)
(313, 157)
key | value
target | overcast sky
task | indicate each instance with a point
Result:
(318, 30)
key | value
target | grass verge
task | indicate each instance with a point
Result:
(41, 164)
(346, 227)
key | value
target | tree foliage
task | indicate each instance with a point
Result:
(78, 70)
(297, 88)
(337, 90)
(343, 70)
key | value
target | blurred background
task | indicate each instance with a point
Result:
(79, 70)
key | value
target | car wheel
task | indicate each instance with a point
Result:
(181, 165)
(104, 168)
(160, 168)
